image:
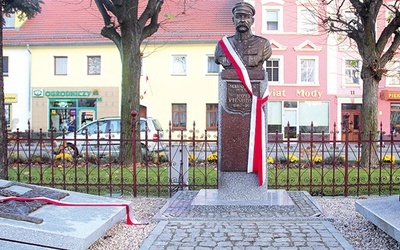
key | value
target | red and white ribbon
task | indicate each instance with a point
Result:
(256, 157)
(129, 220)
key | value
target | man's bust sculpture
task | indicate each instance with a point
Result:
(253, 50)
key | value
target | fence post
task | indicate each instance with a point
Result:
(345, 124)
(133, 132)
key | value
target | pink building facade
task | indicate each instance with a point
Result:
(313, 78)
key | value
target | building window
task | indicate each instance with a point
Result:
(94, 65)
(298, 116)
(306, 116)
(352, 72)
(178, 116)
(274, 117)
(272, 22)
(5, 65)
(393, 73)
(60, 65)
(308, 71)
(71, 114)
(212, 116)
(395, 118)
(9, 21)
(307, 22)
(8, 115)
(272, 68)
(179, 65)
(212, 67)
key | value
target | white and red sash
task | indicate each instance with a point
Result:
(257, 146)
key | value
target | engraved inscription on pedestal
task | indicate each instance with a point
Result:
(237, 97)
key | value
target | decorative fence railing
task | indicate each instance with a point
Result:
(319, 163)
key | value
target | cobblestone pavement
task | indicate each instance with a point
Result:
(301, 226)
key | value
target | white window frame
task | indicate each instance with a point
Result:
(9, 21)
(60, 70)
(305, 24)
(174, 63)
(316, 70)
(97, 68)
(393, 73)
(345, 69)
(279, 9)
(280, 70)
(207, 66)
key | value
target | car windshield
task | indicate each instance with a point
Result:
(93, 127)
(157, 125)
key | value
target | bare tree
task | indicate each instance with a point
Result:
(128, 25)
(26, 9)
(357, 20)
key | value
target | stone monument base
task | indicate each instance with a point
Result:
(240, 189)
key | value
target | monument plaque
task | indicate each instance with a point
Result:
(237, 98)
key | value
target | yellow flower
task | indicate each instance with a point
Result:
(212, 157)
(292, 158)
(317, 159)
(64, 156)
(388, 158)
(191, 157)
(270, 160)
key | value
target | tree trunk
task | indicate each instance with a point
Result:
(3, 122)
(369, 117)
(131, 68)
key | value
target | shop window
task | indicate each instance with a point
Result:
(212, 116)
(5, 65)
(71, 114)
(395, 118)
(274, 117)
(307, 114)
(352, 72)
(60, 65)
(212, 67)
(299, 116)
(179, 116)
(179, 66)
(94, 65)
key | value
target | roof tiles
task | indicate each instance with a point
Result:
(80, 22)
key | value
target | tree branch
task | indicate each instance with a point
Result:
(113, 35)
(151, 12)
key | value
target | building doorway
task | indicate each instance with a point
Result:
(351, 120)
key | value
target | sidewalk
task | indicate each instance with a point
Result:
(302, 226)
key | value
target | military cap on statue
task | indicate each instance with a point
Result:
(243, 7)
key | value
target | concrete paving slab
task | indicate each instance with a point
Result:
(211, 197)
(383, 212)
(65, 227)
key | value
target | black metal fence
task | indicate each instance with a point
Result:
(320, 163)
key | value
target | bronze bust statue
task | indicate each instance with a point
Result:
(253, 50)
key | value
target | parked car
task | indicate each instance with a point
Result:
(103, 136)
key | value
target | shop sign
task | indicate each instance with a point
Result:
(66, 93)
(299, 93)
(37, 92)
(390, 95)
(10, 98)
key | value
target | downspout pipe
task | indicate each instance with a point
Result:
(29, 82)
